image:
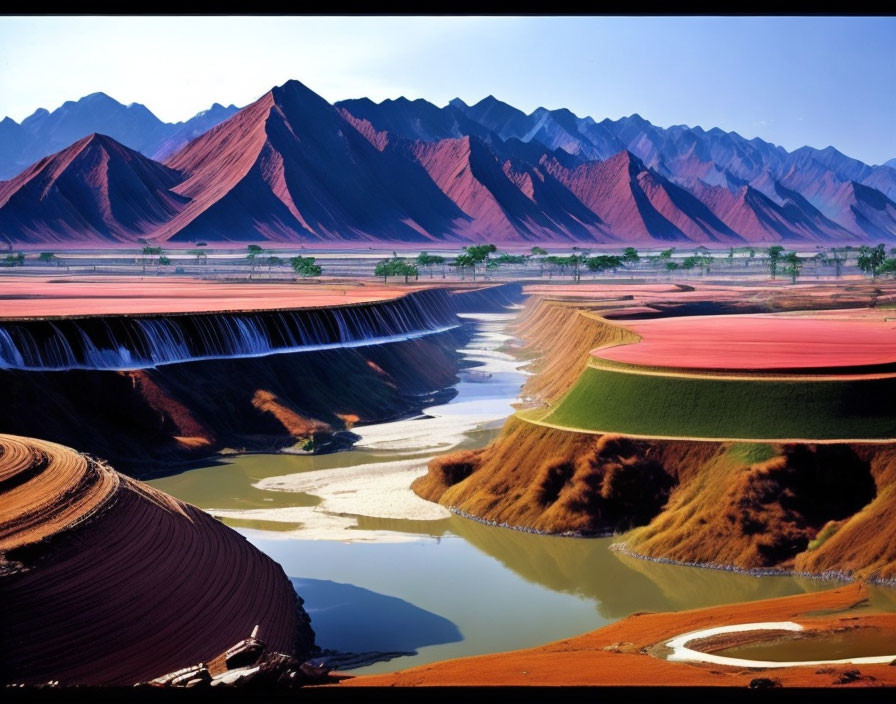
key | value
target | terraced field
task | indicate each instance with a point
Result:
(653, 404)
(759, 441)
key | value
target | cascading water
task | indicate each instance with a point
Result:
(124, 343)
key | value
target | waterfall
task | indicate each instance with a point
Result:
(136, 342)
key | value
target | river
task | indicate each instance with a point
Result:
(403, 582)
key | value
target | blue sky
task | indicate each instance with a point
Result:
(792, 81)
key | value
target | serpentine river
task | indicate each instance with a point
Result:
(392, 581)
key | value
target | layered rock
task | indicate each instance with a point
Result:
(106, 581)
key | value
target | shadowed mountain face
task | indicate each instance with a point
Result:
(291, 167)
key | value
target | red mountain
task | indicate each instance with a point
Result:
(289, 166)
(94, 190)
(640, 205)
(507, 201)
(758, 218)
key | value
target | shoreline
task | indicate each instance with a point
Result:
(620, 547)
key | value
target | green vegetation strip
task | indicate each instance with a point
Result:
(710, 407)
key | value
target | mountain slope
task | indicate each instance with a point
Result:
(186, 132)
(508, 201)
(291, 166)
(639, 205)
(95, 190)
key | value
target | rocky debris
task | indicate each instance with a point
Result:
(851, 676)
(247, 664)
(764, 683)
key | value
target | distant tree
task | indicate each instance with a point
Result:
(383, 268)
(871, 259)
(465, 261)
(541, 253)
(630, 255)
(479, 254)
(752, 253)
(164, 261)
(774, 255)
(838, 258)
(305, 266)
(425, 259)
(888, 268)
(667, 253)
(148, 252)
(690, 262)
(509, 259)
(604, 262)
(255, 252)
(273, 261)
(46, 257)
(17, 259)
(201, 257)
(791, 265)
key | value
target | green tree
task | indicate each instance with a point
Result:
(888, 268)
(791, 265)
(46, 257)
(509, 259)
(148, 252)
(604, 262)
(465, 261)
(479, 254)
(425, 259)
(17, 259)
(201, 256)
(871, 259)
(541, 253)
(630, 255)
(305, 266)
(774, 255)
(164, 261)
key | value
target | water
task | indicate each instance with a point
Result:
(451, 586)
(854, 643)
(124, 343)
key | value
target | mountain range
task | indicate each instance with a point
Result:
(292, 167)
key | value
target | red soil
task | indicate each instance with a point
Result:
(753, 342)
(27, 297)
(620, 654)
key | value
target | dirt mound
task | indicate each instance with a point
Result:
(105, 580)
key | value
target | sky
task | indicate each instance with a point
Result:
(792, 81)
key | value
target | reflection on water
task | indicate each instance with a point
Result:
(354, 620)
(500, 589)
(618, 584)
